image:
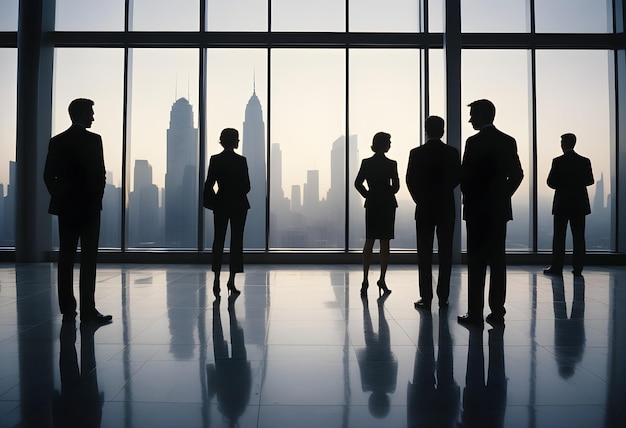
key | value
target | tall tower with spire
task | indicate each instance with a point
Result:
(254, 151)
(181, 178)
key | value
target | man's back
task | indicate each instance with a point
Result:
(490, 173)
(74, 171)
(432, 175)
(570, 175)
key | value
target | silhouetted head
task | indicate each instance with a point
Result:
(381, 142)
(568, 141)
(379, 404)
(482, 112)
(566, 371)
(434, 127)
(229, 138)
(81, 112)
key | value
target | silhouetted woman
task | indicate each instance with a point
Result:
(381, 175)
(229, 171)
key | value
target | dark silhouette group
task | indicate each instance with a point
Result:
(489, 174)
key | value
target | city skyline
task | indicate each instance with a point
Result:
(307, 216)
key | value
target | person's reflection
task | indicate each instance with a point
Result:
(569, 333)
(230, 377)
(433, 396)
(377, 364)
(79, 403)
(484, 404)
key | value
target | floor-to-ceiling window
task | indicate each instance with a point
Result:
(8, 77)
(307, 84)
(8, 89)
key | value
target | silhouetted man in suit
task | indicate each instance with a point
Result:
(490, 173)
(569, 177)
(75, 177)
(432, 174)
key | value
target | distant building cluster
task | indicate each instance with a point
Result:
(167, 217)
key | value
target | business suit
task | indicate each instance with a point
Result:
(229, 204)
(432, 174)
(381, 174)
(491, 172)
(569, 176)
(75, 177)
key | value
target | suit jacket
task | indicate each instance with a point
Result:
(381, 174)
(433, 172)
(490, 173)
(569, 177)
(74, 173)
(230, 171)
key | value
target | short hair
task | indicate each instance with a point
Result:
(568, 140)
(484, 107)
(79, 106)
(434, 126)
(381, 142)
(229, 137)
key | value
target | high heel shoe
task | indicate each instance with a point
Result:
(216, 288)
(364, 287)
(382, 287)
(232, 289)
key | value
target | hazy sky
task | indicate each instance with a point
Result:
(309, 87)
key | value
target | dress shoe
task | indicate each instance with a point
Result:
(96, 317)
(468, 319)
(494, 319)
(422, 304)
(553, 271)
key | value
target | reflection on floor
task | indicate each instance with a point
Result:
(299, 348)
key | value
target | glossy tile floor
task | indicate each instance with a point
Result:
(299, 348)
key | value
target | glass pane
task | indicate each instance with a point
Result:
(89, 15)
(237, 98)
(495, 16)
(384, 96)
(502, 77)
(307, 135)
(242, 15)
(573, 97)
(8, 109)
(163, 200)
(97, 74)
(8, 15)
(436, 16)
(437, 84)
(305, 15)
(390, 15)
(165, 15)
(573, 16)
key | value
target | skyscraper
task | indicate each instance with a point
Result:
(144, 208)
(254, 151)
(181, 177)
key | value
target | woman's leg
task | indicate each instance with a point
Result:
(367, 258)
(384, 258)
